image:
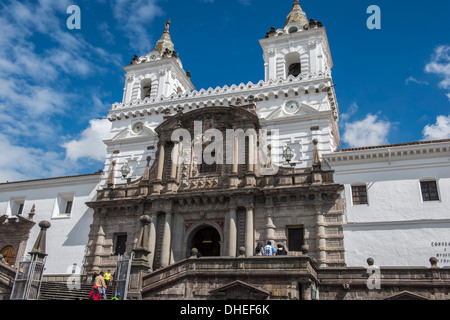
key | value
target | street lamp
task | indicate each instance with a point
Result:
(125, 170)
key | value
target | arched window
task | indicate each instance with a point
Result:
(293, 65)
(9, 254)
(146, 88)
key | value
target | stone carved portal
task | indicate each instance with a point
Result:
(206, 239)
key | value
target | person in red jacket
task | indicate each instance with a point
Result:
(95, 294)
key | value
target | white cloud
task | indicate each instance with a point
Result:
(370, 131)
(37, 88)
(350, 112)
(414, 80)
(440, 65)
(90, 144)
(439, 130)
(23, 163)
(134, 17)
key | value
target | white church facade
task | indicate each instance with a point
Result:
(339, 206)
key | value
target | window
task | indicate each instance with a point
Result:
(146, 88)
(295, 238)
(16, 206)
(63, 205)
(359, 194)
(208, 168)
(120, 246)
(9, 254)
(294, 69)
(68, 207)
(293, 64)
(429, 191)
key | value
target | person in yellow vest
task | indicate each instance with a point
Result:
(108, 277)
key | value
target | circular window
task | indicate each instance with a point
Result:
(138, 127)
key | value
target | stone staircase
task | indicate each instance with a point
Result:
(60, 291)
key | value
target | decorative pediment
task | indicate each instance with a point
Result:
(281, 112)
(239, 290)
(128, 135)
(406, 295)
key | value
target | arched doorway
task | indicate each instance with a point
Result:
(9, 253)
(207, 242)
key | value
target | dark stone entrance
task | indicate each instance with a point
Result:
(207, 242)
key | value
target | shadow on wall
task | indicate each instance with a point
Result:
(79, 234)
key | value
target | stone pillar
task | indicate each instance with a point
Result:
(166, 242)
(270, 227)
(232, 234)
(157, 186)
(110, 181)
(249, 232)
(139, 264)
(160, 162)
(235, 156)
(174, 159)
(234, 181)
(251, 154)
(171, 185)
(98, 248)
(320, 236)
(152, 239)
(38, 251)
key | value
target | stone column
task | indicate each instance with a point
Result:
(157, 186)
(152, 237)
(249, 232)
(270, 227)
(232, 234)
(166, 242)
(251, 154)
(171, 186)
(160, 162)
(235, 156)
(320, 236)
(234, 181)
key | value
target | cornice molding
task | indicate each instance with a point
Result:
(222, 95)
(390, 153)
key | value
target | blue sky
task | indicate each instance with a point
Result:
(392, 84)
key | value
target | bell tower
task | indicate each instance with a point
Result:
(299, 48)
(297, 60)
(158, 74)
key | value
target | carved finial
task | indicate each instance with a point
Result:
(434, 262)
(141, 250)
(110, 182)
(194, 253)
(32, 212)
(167, 28)
(39, 246)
